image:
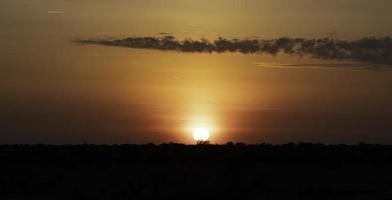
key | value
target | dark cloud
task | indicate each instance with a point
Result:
(375, 50)
(163, 33)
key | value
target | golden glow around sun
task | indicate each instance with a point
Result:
(201, 134)
(202, 127)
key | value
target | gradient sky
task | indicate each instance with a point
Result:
(56, 91)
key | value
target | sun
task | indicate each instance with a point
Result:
(201, 134)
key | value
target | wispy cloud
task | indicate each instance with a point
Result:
(375, 50)
(55, 12)
(355, 66)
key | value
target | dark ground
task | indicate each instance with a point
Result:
(176, 171)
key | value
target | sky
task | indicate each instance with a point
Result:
(54, 90)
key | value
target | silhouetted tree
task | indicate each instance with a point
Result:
(202, 142)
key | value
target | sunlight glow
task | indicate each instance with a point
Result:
(201, 134)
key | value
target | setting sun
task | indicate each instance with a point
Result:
(201, 134)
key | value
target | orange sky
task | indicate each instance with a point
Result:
(56, 91)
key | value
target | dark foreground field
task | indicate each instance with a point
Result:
(175, 171)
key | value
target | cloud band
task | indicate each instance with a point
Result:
(375, 50)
